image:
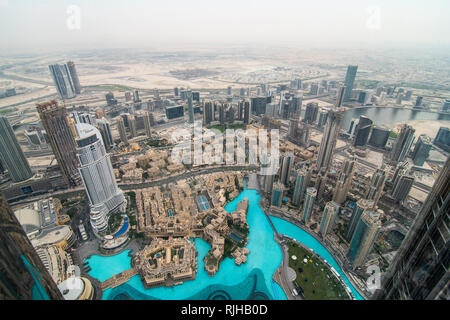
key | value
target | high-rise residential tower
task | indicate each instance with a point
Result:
(362, 131)
(104, 127)
(330, 135)
(11, 154)
(63, 81)
(147, 124)
(375, 188)
(421, 150)
(340, 97)
(349, 81)
(403, 143)
(98, 176)
(74, 77)
(55, 122)
(364, 236)
(308, 204)
(122, 130)
(301, 183)
(277, 194)
(361, 206)
(344, 181)
(287, 162)
(330, 213)
(190, 107)
(402, 187)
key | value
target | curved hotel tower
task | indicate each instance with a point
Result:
(98, 176)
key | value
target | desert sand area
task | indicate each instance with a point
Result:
(22, 98)
(427, 127)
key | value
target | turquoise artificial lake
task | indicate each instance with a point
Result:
(252, 280)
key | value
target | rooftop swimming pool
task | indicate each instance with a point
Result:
(123, 229)
(252, 280)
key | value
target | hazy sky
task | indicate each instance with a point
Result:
(35, 25)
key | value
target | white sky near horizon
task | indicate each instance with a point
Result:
(38, 24)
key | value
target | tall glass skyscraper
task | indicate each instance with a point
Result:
(403, 143)
(420, 269)
(190, 107)
(98, 176)
(56, 124)
(330, 135)
(74, 76)
(11, 154)
(311, 194)
(23, 276)
(361, 206)
(63, 81)
(301, 183)
(277, 194)
(364, 237)
(349, 81)
(330, 213)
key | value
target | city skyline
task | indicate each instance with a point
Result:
(224, 150)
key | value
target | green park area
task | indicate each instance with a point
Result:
(314, 276)
(223, 127)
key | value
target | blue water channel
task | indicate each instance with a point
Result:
(252, 280)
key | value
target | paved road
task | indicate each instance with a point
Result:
(126, 186)
(187, 174)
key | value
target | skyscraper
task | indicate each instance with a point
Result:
(403, 143)
(122, 131)
(344, 180)
(246, 112)
(63, 81)
(421, 150)
(74, 77)
(442, 139)
(98, 176)
(105, 129)
(55, 122)
(132, 125)
(340, 97)
(402, 187)
(258, 105)
(323, 115)
(301, 183)
(330, 213)
(190, 107)
(375, 189)
(110, 101)
(446, 106)
(277, 194)
(379, 137)
(330, 135)
(23, 276)
(147, 124)
(418, 103)
(420, 269)
(364, 237)
(11, 154)
(208, 112)
(312, 109)
(362, 131)
(308, 204)
(287, 161)
(349, 81)
(361, 206)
